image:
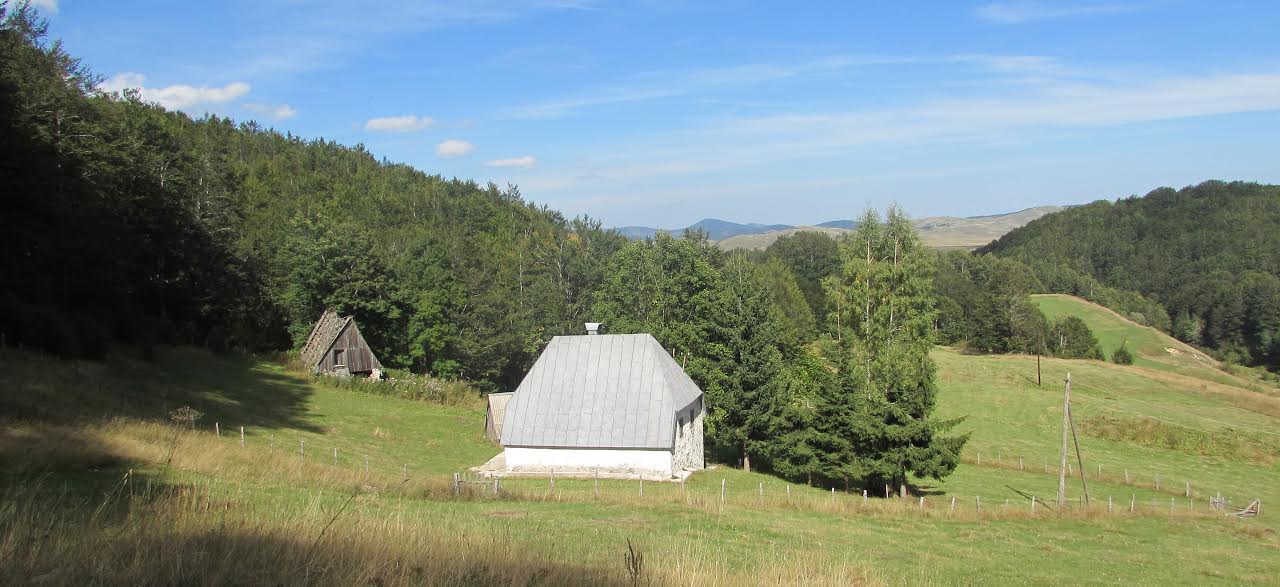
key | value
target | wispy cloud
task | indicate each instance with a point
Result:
(49, 6)
(272, 111)
(175, 97)
(453, 148)
(657, 85)
(525, 162)
(407, 123)
(1031, 10)
(757, 142)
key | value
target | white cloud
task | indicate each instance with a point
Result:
(525, 162)
(273, 111)
(50, 6)
(408, 123)
(175, 97)
(1030, 10)
(453, 148)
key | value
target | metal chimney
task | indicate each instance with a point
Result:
(593, 328)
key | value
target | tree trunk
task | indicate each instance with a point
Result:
(746, 461)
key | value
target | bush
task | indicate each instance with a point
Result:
(1122, 356)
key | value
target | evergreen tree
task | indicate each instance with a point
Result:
(883, 318)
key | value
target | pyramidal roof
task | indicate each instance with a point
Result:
(601, 391)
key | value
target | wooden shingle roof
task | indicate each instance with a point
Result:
(326, 330)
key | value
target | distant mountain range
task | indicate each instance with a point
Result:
(936, 231)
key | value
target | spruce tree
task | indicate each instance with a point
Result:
(883, 312)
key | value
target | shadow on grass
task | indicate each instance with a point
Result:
(230, 389)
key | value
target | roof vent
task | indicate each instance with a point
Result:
(593, 328)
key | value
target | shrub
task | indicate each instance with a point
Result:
(1122, 356)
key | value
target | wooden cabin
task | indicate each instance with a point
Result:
(336, 347)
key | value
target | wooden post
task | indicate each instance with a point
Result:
(760, 497)
(496, 487)
(335, 456)
(788, 492)
(1084, 483)
(405, 471)
(598, 483)
(833, 495)
(1188, 493)
(1126, 476)
(1020, 467)
(1133, 498)
(1172, 504)
(242, 437)
(457, 480)
(953, 503)
(1066, 424)
(979, 500)
(1157, 482)
(886, 491)
(979, 458)
(216, 430)
(864, 496)
(903, 491)
(922, 503)
(641, 478)
(271, 442)
(1033, 504)
(1108, 504)
(1038, 365)
(722, 493)
(302, 448)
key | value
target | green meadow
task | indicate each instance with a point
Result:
(90, 456)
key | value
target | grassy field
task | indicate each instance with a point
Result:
(90, 464)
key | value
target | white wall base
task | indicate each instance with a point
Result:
(586, 460)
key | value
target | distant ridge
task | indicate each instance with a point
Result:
(937, 231)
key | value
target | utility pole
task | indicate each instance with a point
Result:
(1039, 350)
(1066, 430)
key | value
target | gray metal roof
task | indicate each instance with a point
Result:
(603, 391)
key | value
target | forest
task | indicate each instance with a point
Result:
(129, 225)
(1201, 263)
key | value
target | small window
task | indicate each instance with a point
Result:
(337, 356)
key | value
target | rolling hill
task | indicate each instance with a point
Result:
(342, 485)
(938, 231)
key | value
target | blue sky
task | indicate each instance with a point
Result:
(662, 112)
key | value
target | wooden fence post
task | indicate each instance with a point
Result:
(1126, 476)
(833, 494)
(405, 471)
(641, 477)
(953, 503)
(598, 483)
(722, 493)
(922, 503)
(1172, 504)
(760, 497)
(217, 431)
(788, 492)
(496, 487)
(302, 448)
(1033, 504)
(1188, 489)
(335, 456)
(1108, 504)
(242, 437)
(456, 482)
(1020, 467)
(864, 496)
(979, 458)
(1133, 498)
(1157, 482)
(978, 498)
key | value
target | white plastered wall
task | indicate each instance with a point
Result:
(584, 460)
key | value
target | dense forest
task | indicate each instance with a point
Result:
(1205, 261)
(130, 225)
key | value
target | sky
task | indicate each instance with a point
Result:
(661, 113)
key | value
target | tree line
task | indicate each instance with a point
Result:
(1202, 263)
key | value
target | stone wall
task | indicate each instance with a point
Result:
(688, 446)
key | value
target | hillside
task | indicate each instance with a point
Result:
(941, 232)
(297, 507)
(1209, 253)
